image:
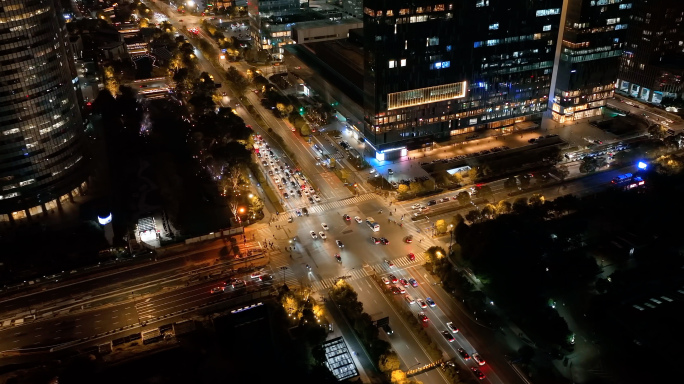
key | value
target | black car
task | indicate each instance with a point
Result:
(384, 241)
(464, 354)
(311, 200)
(388, 330)
(447, 335)
(432, 202)
(305, 211)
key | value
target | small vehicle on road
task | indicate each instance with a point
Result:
(322, 235)
(478, 373)
(389, 263)
(448, 336)
(430, 302)
(422, 304)
(339, 243)
(452, 327)
(408, 239)
(478, 359)
(423, 318)
(325, 226)
(384, 241)
(375, 240)
(338, 257)
(217, 290)
(358, 219)
(313, 235)
(413, 282)
(346, 217)
(385, 280)
(404, 282)
(393, 279)
(412, 256)
(464, 354)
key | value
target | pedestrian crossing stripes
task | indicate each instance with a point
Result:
(381, 268)
(341, 203)
(327, 206)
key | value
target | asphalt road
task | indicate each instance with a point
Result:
(409, 349)
(136, 309)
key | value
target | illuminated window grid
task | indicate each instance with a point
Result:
(427, 95)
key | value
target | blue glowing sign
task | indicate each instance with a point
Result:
(642, 165)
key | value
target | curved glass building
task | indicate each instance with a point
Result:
(41, 130)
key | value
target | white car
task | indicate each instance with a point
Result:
(313, 235)
(385, 280)
(318, 199)
(452, 327)
(358, 219)
(478, 359)
(325, 226)
(416, 206)
(322, 235)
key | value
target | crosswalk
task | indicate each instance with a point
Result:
(319, 208)
(380, 268)
(341, 203)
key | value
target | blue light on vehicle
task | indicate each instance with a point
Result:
(642, 165)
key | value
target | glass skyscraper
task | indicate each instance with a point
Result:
(593, 40)
(435, 70)
(41, 131)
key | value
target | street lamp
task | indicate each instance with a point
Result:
(451, 236)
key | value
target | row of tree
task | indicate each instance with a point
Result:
(347, 299)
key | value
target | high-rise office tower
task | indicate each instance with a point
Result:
(260, 11)
(41, 131)
(652, 66)
(434, 70)
(593, 39)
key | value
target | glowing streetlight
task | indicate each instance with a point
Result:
(190, 3)
(241, 210)
(250, 195)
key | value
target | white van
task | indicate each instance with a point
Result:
(409, 299)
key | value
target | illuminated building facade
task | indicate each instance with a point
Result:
(436, 69)
(41, 131)
(593, 40)
(271, 38)
(652, 66)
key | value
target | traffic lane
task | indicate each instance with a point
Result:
(471, 336)
(437, 324)
(410, 351)
(305, 154)
(56, 331)
(109, 281)
(306, 165)
(434, 328)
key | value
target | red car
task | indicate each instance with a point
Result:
(393, 278)
(411, 256)
(423, 318)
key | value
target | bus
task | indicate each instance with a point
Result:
(372, 224)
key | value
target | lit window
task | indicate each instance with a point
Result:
(547, 12)
(403, 62)
(448, 47)
(547, 28)
(493, 27)
(392, 63)
(477, 44)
